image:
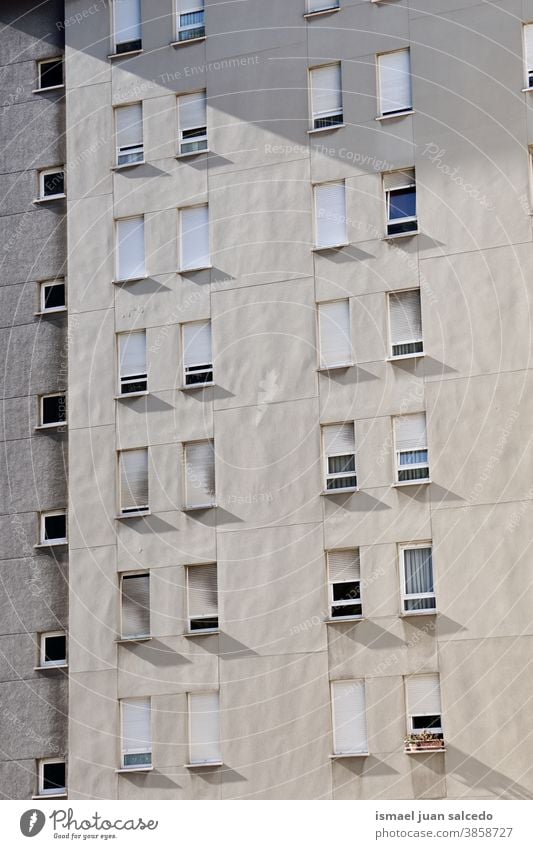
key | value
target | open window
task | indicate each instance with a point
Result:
(52, 296)
(199, 474)
(344, 580)
(132, 363)
(202, 598)
(136, 733)
(192, 119)
(326, 96)
(129, 131)
(133, 465)
(127, 25)
(197, 353)
(204, 729)
(405, 321)
(52, 777)
(335, 334)
(348, 704)
(424, 713)
(190, 16)
(50, 73)
(135, 598)
(53, 410)
(412, 459)
(51, 184)
(339, 457)
(53, 527)
(400, 202)
(53, 649)
(418, 589)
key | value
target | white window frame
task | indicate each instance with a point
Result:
(150, 751)
(179, 12)
(59, 169)
(336, 751)
(49, 61)
(419, 341)
(42, 423)
(127, 379)
(402, 467)
(211, 629)
(337, 475)
(42, 520)
(190, 370)
(129, 150)
(430, 611)
(437, 730)
(201, 137)
(528, 72)
(58, 791)
(137, 574)
(114, 43)
(320, 116)
(184, 269)
(131, 511)
(118, 221)
(43, 285)
(349, 603)
(407, 218)
(208, 504)
(45, 635)
(405, 110)
(320, 306)
(342, 223)
(190, 696)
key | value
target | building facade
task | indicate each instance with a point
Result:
(34, 567)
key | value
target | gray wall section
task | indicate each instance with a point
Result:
(275, 657)
(33, 352)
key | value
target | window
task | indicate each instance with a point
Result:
(135, 593)
(52, 777)
(130, 248)
(400, 199)
(335, 334)
(405, 317)
(53, 649)
(53, 409)
(200, 474)
(344, 575)
(339, 453)
(134, 481)
(202, 597)
(423, 705)
(132, 362)
(127, 23)
(528, 54)
(316, 6)
(191, 19)
(349, 720)
(136, 733)
(52, 296)
(410, 439)
(51, 184)
(326, 96)
(394, 72)
(50, 73)
(129, 130)
(53, 527)
(204, 728)
(197, 355)
(330, 215)
(418, 592)
(192, 119)
(194, 238)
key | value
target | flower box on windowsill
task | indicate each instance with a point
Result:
(417, 743)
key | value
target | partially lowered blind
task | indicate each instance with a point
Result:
(134, 479)
(130, 248)
(423, 695)
(197, 343)
(200, 473)
(399, 179)
(129, 125)
(330, 214)
(335, 336)
(136, 726)
(202, 590)
(204, 728)
(135, 605)
(410, 432)
(395, 82)
(132, 351)
(405, 317)
(339, 439)
(344, 565)
(326, 90)
(194, 237)
(127, 20)
(192, 111)
(349, 720)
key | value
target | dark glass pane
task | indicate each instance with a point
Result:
(421, 722)
(55, 527)
(139, 759)
(419, 604)
(342, 483)
(198, 374)
(134, 384)
(337, 465)
(345, 592)
(409, 348)
(54, 409)
(402, 203)
(346, 610)
(328, 121)
(402, 227)
(408, 457)
(413, 474)
(54, 184)
(53, 777)
(55, 649)
(54, 296)
(204, 624)
(51, 73)
(192, 134)
(126, 46)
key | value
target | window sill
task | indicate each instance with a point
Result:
(60, 426)
(127, 640)
(48, 88)
(51, 312)
(339, 491)
(133, 769)
(49, 199)
(131, 395)
(192, 153)
(529, 88)
(422, 482)
(325, 129)
(50, 667)
(335, 757)
(187, 41)
(343, 619)
(51, 544)
(319, 248)
(129, 280)
(205, 765)
(340, 367)
(196, 386)
(320, 12)
(197, 507)
(128, 165)
(405, 357)
(45, 796)
(394, 115)
(136, 515)
(424, 751)
(409, 613)
(194, 268)
(126, 54)
(206, 633)
(394, 236)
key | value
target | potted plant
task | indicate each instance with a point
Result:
(423, 742)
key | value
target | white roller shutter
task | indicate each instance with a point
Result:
(399, 179)
(197, 344)
(192, 111)
(132, 350)
(135, 605)
(202, 590)
(194, 237)
(130, 248)
(335, 334)
(330, 215)
(344, 566)
(339, 439)
(349, 719)
(423, 695)
(136, 726)
(204, 728)
(190, 6)
(200, 473)
(395, 82)
(129, 125)
(528, 50)
(405, 317)
(410, 432)
(134, 479)
(127, 20)
(321, 5)
(326, 90)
